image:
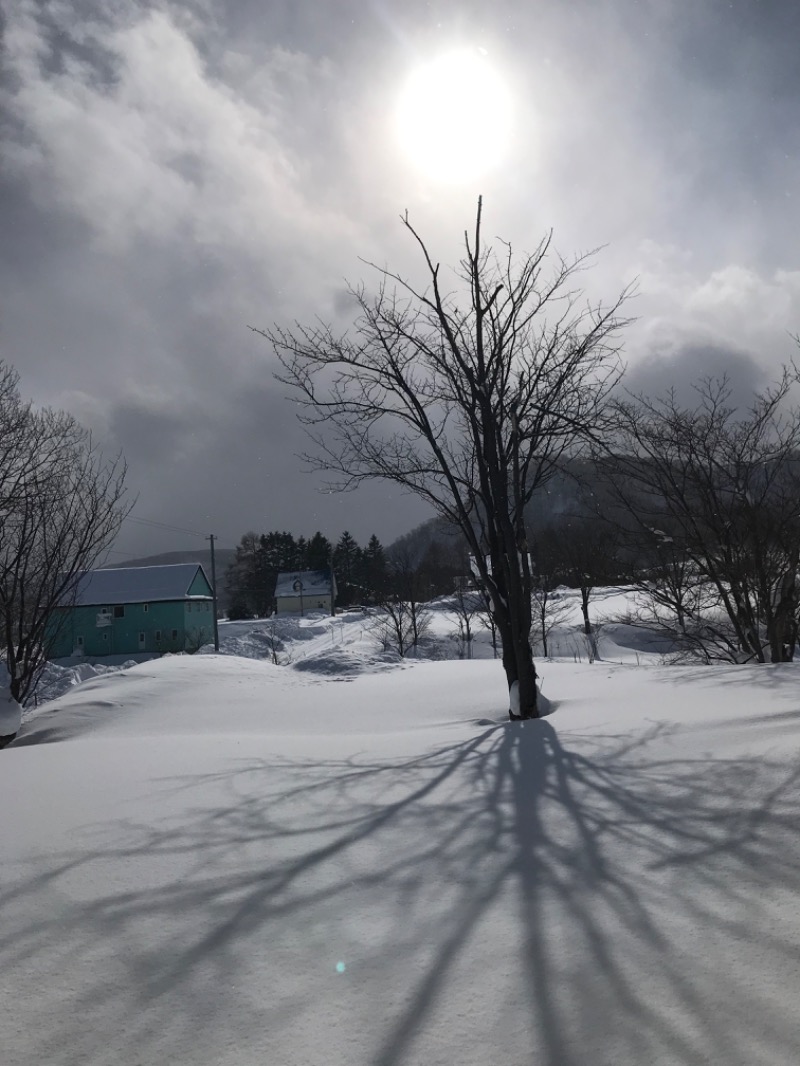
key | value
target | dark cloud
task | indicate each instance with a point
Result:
(688, 365)
(174, 172)
(234, 467)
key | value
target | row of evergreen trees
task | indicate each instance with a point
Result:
(361, 573)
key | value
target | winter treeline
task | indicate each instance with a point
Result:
(361, 573)
(697, 506)
(707, 498)
(414, 569)
(694, 504)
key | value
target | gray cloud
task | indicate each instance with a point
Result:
(172, 172)
(688, 365)
(234, 467)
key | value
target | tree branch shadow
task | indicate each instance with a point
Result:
(591, 844)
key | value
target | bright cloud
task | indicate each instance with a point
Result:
(162, 148)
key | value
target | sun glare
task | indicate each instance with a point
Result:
(454, 116)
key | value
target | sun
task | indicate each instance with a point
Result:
(454, 116)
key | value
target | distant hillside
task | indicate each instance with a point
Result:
(558, 498)
(223, 557)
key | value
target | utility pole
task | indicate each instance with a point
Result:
(210, 538)
(298, 588)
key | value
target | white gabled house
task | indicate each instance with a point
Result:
(301, 591)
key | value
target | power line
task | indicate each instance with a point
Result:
(163, 525)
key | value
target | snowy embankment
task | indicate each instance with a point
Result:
(350, 643)
(218, 860)
(344, 645)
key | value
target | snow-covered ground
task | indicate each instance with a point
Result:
(350, 643)
(220, 859)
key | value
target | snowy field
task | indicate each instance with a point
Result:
(351, 643)
(334, 859)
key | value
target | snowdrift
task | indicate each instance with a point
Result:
(219, 860)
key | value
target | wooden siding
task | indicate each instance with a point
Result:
(170, 626)
(291, 604)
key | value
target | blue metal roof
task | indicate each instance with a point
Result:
(138, 584)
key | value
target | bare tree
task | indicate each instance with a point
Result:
(589, 561)
(673, 598)
(61, 505)
(395, 628)
(550, 610)
(404, 615)
(549, 607)
(467, 393)
(468, 605)
(486, 618)
(196, 638)
(717, 488)
(407, 582)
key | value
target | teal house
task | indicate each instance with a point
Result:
(135, 611)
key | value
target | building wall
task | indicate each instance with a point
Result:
(291, 604)
(163, 625)
(198, 623)
(199, 586)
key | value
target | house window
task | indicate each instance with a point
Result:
(145, 607)
(174, 634)
(119, 611)
(158, 635)
(79, 641)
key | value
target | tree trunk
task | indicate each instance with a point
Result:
(522, 676)
(781, 622)
(519, 666)
(587, 625)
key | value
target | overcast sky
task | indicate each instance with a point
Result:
(175, 172)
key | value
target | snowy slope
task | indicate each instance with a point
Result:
(216, 860)
(349, 643)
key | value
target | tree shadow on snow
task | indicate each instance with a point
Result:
(591, 843)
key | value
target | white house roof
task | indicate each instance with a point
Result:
(137, 584)
(315, 583)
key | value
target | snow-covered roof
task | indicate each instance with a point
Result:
(138, 584)
(315, 583)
